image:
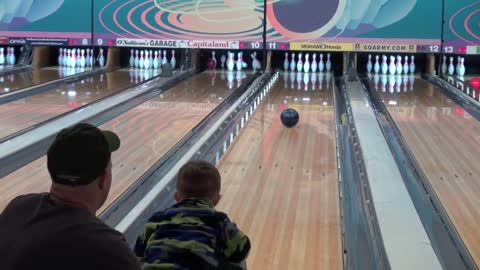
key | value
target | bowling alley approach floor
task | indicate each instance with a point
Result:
(21, 114)
(147, 132)
(280, 185)
(24, 79)
(445, 141)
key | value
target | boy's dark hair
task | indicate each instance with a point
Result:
(198, 179)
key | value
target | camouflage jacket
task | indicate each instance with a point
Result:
(191, 235)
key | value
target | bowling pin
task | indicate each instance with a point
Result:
(384, 64)
(406, 67)
(444, 65)
(244, 64)
(82, 58)
(300, 63)
(239, 63)
(321, 64)
(369, 64)
(160, 58)
(457, 67)
(306, 65)
(136, 62)
(256, 63)
(155, 60)
(87, 58)
(12, 56)
(79, 57)
(286, 64)
(451, 68)
(392, 68)
(376, 67)
(230, 62)
(253, 65)
(151, 59)
(214, 59)
(328, 65)
(399, 66)
(60, 57)
(92, 57)
(292, 63)
(141, 61)
(164, 60)
(66, 58)
(146, 61)
(314, 63)
(101, 59)
(132, 58)
(222, 61)
(8, 59)
(461, 69)
(173, 60)
(412, 64)
(2, 56)
(73, 59)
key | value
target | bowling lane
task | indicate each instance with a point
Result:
(280, 185)
(147, 132)
(445, 141)
(20, 114)
(16, 81)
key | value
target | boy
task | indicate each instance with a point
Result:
(192, 234)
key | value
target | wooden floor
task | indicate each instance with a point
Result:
(446, 142)
(29, 111)
(147, 132)
(280, 185)
(16, 81)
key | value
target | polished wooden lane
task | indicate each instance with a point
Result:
(280, 185)
(445, 141)
(16, 81)
(26, 112)
(147, 132)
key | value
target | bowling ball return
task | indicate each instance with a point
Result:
(289, 118)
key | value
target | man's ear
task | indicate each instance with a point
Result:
(177, 196)
(102, 180)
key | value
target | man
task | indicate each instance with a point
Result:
(59, 229)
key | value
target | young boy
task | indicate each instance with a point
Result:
(192, 234)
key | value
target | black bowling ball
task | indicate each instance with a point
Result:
(289, 118)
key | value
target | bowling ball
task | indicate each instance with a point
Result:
(211, 64)
(475, 83)
(289, 118)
